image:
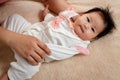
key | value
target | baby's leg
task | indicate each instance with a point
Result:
(16, 23)
(22, 70)
(5, 77)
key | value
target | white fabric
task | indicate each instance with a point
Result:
(61, 40)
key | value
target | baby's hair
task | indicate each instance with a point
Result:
(110, 25)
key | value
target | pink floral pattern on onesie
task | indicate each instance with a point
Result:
(83, 50)
(56, 21)
(62, 15)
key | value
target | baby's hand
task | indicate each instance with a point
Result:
(45, 12)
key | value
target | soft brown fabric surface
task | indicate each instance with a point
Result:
(102, 64)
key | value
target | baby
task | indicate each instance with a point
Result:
(66, 35)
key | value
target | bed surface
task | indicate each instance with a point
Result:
(102, 64)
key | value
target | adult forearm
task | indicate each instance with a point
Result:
(57, 5)
(5, 36)
(3, 1)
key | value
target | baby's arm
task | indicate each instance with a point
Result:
(5, 77)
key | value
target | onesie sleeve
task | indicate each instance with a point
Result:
(49, 17)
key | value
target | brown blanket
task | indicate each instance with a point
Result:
(102, 64)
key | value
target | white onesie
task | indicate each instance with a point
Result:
(56, 32)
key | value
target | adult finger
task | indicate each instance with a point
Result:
(32, 61)
(36, 57)
(44, 47)
(40, 52)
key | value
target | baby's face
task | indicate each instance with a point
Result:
(88, 26)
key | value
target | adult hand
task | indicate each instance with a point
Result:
(3, 1)
(29, 47)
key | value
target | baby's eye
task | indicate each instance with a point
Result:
(93, 29)
(88, 19)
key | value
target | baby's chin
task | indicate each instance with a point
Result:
(86, 39)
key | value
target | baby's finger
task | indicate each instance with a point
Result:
(47, 6)
(46, 9)
(36, 57)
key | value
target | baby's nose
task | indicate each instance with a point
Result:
(87, 26)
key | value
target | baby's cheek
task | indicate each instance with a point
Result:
(89, 32)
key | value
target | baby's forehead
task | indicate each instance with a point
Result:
(96, 14)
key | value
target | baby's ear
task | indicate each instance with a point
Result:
(93, 39)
